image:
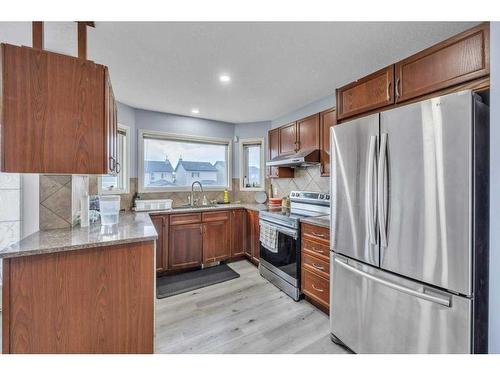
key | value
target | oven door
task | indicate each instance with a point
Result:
(285, 262)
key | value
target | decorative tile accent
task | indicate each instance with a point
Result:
(308, 179)
(55, 201)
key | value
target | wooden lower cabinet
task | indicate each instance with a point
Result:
(253, 236)
(238, 232)
(161, 225)
(97, 300)
(315, 265)
(216, 236)
(185, 246)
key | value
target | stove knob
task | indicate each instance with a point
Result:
(327, 197)
(321, 196)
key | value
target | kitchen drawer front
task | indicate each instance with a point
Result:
(316, 249)
(316, 265)
(316, 287)
(215, 216)
(178, 219)
(316, 233)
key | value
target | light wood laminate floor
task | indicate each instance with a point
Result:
(244, 315)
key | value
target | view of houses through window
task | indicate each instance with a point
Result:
(252, 163)
(171, 163)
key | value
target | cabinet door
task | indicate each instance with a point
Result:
(53, 113)
(368, 93)
(277, 172)
(327, 120)
(288, 139)
(238, 232)
(216, 241)
(255, 237)
(308, 132)
(459, 59)
(158, 222)
(274, 142)
(111, 127)
(248, 237)
(184, 246)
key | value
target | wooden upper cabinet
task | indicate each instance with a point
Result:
(461, 58)
(368, 93)
(185, 246)
(308, 132)
(58, 113)
(274, 144)
(327, 119)
(288, 139)
(238, 232)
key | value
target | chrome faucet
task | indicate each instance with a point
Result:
(192, 192)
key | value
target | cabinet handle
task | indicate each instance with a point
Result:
(389, 90)
(317, 250)
(397, 87)
(318, 289)
(318, 267)
(112, 164)
(321, 235)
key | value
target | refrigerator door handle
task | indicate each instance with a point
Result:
(369, 212)
(445, 301)
(380, 191)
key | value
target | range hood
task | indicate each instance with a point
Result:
(303, 158)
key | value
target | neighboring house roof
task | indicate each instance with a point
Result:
(196, 166)
(158, 166)
(220, 163)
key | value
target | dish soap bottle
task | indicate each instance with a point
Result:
(226, 196)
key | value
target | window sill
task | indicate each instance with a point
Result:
(252, 189)
(182, 190)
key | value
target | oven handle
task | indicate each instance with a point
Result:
(289, 232)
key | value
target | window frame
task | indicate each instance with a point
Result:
(252, 141)
(180, 137)
(125, 167)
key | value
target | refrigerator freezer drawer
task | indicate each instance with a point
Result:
(373, 311)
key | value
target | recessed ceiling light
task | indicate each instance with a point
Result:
(195, 111)
(224, 78)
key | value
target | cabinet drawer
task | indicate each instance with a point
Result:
(316, 287)
(320, 266)
(316, 249)
(215, 216)
(177, 219)
(316, 233)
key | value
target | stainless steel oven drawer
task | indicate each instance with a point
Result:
(373, 311)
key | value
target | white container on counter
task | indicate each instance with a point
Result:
(109, 207)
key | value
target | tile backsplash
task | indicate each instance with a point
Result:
(306, 179)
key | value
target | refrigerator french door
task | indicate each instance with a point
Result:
(409, 228)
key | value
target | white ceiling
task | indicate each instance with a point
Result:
(275, 67)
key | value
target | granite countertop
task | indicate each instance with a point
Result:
(132, 227)
(322, 221)
(228, 206)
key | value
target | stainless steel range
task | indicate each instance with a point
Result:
(280, 264)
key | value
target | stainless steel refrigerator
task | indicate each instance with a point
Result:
(409, 228)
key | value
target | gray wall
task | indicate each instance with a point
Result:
(310, 109)
(494, 308)
(126, 116)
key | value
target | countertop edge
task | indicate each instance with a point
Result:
(315, 221)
